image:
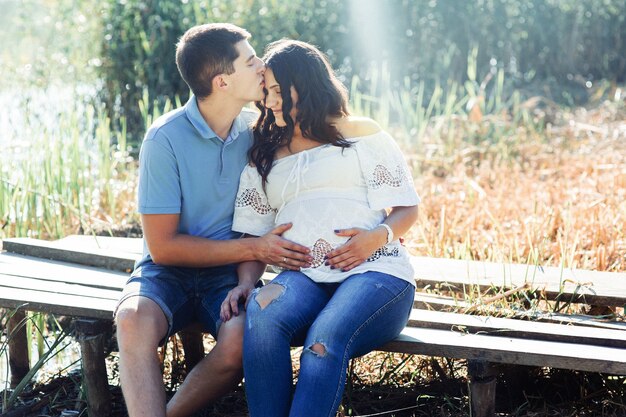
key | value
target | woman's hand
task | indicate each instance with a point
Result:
(361, 245)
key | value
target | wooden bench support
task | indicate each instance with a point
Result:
(482, 387)
(18, 347)
(193, 347)
(91, 336)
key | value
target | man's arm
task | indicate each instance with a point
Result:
(168, 247)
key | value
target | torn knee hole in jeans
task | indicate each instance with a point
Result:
(268, 294)
(318, 349)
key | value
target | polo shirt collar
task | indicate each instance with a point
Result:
(198, 122)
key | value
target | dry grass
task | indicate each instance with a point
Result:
(558, 198)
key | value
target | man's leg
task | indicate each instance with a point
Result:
(141, 325)
(217, 374)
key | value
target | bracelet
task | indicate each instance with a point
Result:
(389, 232)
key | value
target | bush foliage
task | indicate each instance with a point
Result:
(562, 40)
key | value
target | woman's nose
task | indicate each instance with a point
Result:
(270, 100)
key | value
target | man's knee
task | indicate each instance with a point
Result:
(140, 318)
(232, 359)
(229, 344)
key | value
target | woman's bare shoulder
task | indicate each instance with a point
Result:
(354, 127)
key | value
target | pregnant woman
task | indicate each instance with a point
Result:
(346, 189)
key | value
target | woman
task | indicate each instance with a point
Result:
(331, 176)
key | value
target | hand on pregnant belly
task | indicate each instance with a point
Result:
(319, 251)
(361, 244)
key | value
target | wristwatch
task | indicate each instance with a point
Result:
(389, 232)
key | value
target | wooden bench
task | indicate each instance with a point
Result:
(90, 294)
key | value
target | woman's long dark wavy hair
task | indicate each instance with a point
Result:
(320, 96)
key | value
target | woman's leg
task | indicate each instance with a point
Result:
(366, 311)
(277, 314)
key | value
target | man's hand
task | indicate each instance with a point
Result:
(274, 249)
(361, 245)
(230, 305)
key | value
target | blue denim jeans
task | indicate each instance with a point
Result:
(186, 295)
(334, 322)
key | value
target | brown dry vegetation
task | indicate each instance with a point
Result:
(554, 195)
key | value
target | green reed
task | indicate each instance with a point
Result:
(50, 341)
(66, 175)
(482, 114)
(78, 175)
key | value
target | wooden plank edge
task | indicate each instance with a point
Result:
(89, 258)
(57, 288)
(59, 310)
(586, 296)
(444, 343)
(515, 328)
(63, 305)
(434, 302)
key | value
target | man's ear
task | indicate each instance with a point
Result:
(219, 82)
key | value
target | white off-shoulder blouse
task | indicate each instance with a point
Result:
(327, 188)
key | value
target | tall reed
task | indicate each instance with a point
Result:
(53, 342)
(71, 174)
(480, 116)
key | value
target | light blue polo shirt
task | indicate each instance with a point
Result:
(186, 169)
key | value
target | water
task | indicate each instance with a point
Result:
(29, 112)
(59, 363)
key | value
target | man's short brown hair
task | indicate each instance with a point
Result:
(206, 51)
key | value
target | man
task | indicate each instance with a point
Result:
(190, 163)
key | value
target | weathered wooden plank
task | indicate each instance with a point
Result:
(571, 319)
(7, 281)
(591, 287)
(69, 305)
(509, 350)
(30, 267)
(113, 259)
(506, 327)
(427, 301)
(128, 245)
(436, 302)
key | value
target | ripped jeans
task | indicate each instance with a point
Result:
(334, 322)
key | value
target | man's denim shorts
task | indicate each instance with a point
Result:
(186, 295)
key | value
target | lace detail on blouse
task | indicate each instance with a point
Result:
(319, 251)
(384, 251)
(382, 176)
(250, 197)
(321, 248)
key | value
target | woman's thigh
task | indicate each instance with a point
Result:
(366, 311)
(289, 303)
